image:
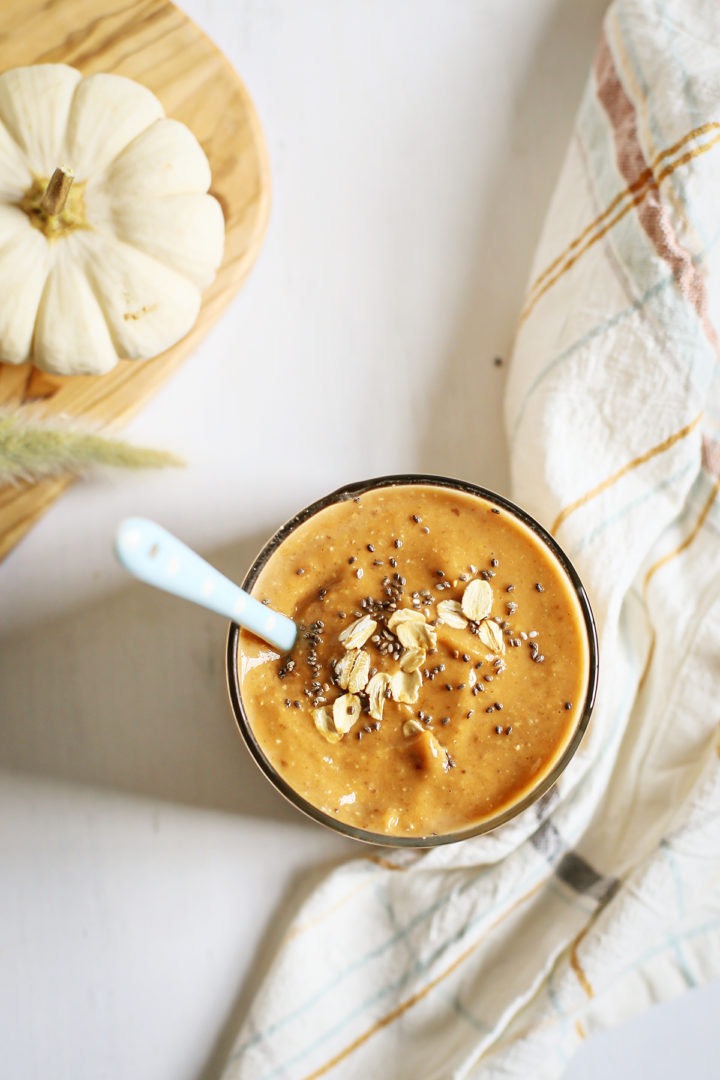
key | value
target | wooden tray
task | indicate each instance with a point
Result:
(156, 44)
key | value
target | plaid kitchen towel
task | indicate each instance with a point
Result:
(494, 958)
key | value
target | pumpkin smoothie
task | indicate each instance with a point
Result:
(442, 664)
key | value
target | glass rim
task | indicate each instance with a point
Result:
(342, 494)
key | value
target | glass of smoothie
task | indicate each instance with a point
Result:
(445, 666)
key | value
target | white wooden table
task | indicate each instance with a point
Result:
(144, 863)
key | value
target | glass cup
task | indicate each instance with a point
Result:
(351, 491)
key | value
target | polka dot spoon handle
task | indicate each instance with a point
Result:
(157, 557)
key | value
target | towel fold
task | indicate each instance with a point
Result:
(494, 958)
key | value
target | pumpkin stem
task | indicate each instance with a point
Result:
(56, 193)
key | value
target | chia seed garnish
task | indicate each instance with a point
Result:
(288, 702)
(417, 519)
(265, 602)
(440, 573)
(495, 511)
(425, 529)
(445, 720)
(393, 562)
(448, 686)
(461, 686)
(498, 706)
(490, 709)
(377, 562)
(322, 593)
(508, 730)
(478, 665)
(296, 704)
(533, 634)
(493, 562)
(356, 499)
(498, 730)
(300, 571)
(469, 713)
(511, 607)
(341, 615)
(472, 569)
(359, 572)
(371, 547)
(397, 543)
(510, 588)
(539, 587)
(568, 704)
(466, 657)
(351, 560)
(488, 678)
(359, 735)
(538, 658)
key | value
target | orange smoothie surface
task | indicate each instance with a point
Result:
(441, 666)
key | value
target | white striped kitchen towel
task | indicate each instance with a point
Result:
(494, 958)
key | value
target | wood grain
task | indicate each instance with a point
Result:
(156, 44)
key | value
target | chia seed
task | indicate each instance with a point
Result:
(493, 562)
(568, 704)
(300, 571)
(397, 543)
(539, 587)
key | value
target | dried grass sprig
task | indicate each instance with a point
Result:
(33, 447)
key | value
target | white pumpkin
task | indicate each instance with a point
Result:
(108, 260)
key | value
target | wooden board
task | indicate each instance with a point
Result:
(156, 44)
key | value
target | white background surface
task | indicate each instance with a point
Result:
(146, 866)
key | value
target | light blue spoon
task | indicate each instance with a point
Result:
(157, 557)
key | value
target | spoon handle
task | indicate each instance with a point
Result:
(157, 557)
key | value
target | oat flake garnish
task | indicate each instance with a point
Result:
(491, 636)
(411, 630)
(375, 690)
(412, 659)
(344, 667)
(324, 723)
(357, 633)
(405, 686)
(346, 712)
(412, 727)
(359, 673)
(451, 613)
(477, 600)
